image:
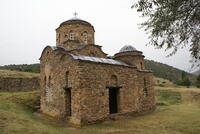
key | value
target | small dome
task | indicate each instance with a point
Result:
(76, 20)
(127, 48)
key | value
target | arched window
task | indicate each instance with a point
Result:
(67, 79)
(141, 65)
(85, 37)
(45, 81)
(113, 80)
(145, 90)
(92, 54)
(71, 35)
(49, 82)
(49, 91)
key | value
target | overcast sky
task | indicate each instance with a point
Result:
(27, 26)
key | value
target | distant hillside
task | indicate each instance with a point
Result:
(196, 73)
(33, 68)
(159, 69)
(17, 74)
(165, 71)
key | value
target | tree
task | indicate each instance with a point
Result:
(185, 81)
(198, 81)
(172, 24)
(183, 75)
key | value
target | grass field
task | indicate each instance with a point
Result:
(178, 112)
(16, 74)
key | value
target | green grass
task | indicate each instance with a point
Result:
(168, 97)
(162, 82)
(17, 74)
(180, 115)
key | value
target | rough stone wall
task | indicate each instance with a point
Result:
(89, 93)
(146, 100)
(80, 89)
(136, 61)
(58, 67)
(78, 29)
(71, 44)
(19, 84)
(94, 95)
(91, 50)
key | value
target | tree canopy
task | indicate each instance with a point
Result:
(172, 24)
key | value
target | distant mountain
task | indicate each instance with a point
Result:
(159, 69)
(196, 72)
(167, 72)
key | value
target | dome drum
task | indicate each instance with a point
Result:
(75, 29)
(131, 56)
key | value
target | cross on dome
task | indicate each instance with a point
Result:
(75, 15)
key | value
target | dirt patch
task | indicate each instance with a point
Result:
(122, 132)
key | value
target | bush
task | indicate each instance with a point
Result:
(198, 81)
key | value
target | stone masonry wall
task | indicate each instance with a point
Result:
(94, 94)
(91, 50)
(19, 84)
(137, 61)
(78, 29)
(89, 82)
(56, 75)
(146, 98)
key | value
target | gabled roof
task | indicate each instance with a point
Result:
(87, 58)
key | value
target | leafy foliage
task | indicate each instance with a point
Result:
(172, 24)
(184, 81)
(198, 81)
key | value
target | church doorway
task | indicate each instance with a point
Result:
(68, 101)
(113, 99)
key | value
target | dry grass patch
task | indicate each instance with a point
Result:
(177, 117)
(163, 82)
(16, 74)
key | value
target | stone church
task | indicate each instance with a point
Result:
(79, 82)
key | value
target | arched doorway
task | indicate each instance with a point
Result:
(113, 93)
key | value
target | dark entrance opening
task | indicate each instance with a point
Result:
(113, 99)
(68, 101)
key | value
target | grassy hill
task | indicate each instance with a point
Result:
(16, 74)
(34, 68)
(178, 112)
(167, 72)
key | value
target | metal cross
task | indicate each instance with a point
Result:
(75, 14)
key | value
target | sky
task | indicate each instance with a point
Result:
(27, 26)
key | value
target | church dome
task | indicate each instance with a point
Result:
(76, 20)
(127, 48)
